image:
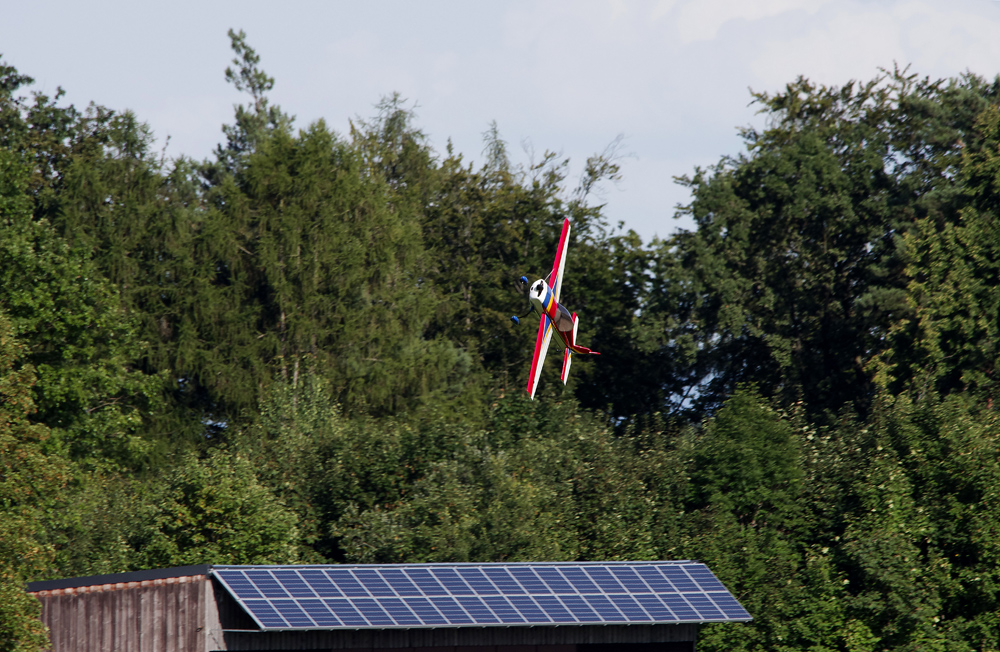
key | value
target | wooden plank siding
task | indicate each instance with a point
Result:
(163, 615)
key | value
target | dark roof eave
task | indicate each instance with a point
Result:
(119, 578)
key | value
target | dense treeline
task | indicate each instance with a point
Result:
(299, 350)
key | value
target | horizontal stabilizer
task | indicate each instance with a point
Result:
(576, 347)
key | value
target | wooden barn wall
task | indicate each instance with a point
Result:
(165, 615)
(576, 638)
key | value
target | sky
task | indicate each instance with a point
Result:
(671, 77)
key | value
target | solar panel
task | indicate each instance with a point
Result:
(680, 579)
(504, 581)
(604, 579)
(400, 582)
(529, 609)
(554, 579)
(320, 584)
(372, 581)
(554, 609)
(452, 611)
(346, 583)
(479, 595)
(451, 581)
(504, 610)
(630, 608)
(320, 613)
(238, 584)
(346, 612)
(400, 612)
(265, 614)
(579, 580)
(425, 581)
(580, 609)
(679, 606)
(607, 611)
(266, 584)
(477, 610)
(728, 604)
(374, 612)
(527, 578)
(704, 606)
(477, 580)
(293, 613)
(300, 588)
(630, 580)
(656, 609)
(425, 611)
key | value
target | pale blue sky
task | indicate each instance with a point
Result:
(672, 76)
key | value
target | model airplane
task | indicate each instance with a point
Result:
(554, 317)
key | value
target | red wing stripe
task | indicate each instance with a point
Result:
(558, 264)
(541, 345)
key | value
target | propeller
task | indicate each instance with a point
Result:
(522, 287)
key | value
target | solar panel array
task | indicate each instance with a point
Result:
(479, 595)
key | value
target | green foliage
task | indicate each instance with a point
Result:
(215, 511)
(253, 123)
(948, 341)
(78, 338)
(289, 444)
(482, 231)
(96, 525)
(313, 261)
(794, 275)
(747, 464)
(20, 627)
(924, 531)
(747, 519)
(894, 546)
(485, 229)
(29, 481)
(541, 482)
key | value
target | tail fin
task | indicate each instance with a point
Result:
(568, 356)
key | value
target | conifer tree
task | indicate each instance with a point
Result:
(794, 273)
(948, 343)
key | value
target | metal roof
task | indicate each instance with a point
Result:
(116, 578)
(408, 596)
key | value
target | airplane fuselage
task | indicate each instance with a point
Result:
(542, 298)
(545, 300)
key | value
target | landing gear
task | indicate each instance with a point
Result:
(522, 287)
(517, 320)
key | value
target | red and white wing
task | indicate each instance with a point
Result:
(545, 326)
(541, 348)
(560, 262)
